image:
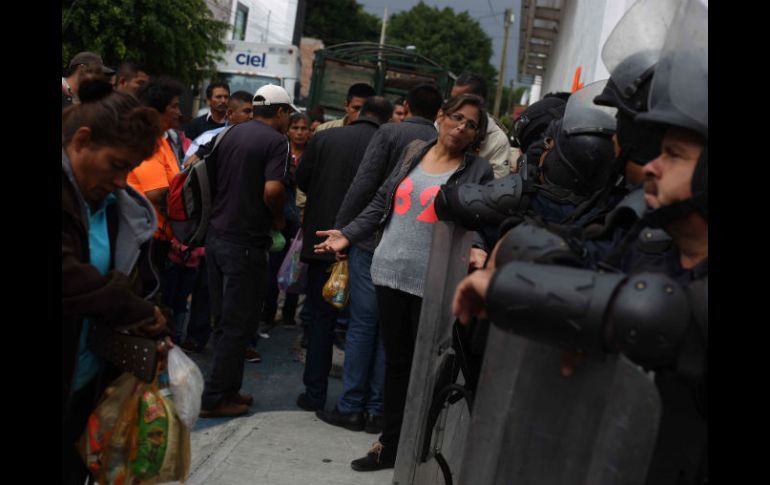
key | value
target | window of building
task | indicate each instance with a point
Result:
(241, 17)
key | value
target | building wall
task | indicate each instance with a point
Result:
(307, 48)
(268, 21)
(584, 26)
(222, 9)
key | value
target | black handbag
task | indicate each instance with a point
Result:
(131, 353)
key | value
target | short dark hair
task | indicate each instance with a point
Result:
(399, 101)
(378, 107)
(159, 92)
(241, 96)
(563, 95)
(424, 101)
(360, 90)
(270, 111)
(128, 70)
(316, 113)
(216, 84)
(457, 102)
(294, 117)
(116, 119)
(476, 82)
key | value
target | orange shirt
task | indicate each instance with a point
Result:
(156, 173)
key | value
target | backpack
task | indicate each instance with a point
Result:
(190, 197)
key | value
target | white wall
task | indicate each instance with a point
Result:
(280, 29)
(584, 26)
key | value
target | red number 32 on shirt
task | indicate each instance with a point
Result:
(404, 201)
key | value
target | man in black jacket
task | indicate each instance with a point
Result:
(325, 172)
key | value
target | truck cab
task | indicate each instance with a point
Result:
(247, 66)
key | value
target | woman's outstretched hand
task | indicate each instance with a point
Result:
(335, 242)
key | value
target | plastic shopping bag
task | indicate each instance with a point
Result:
(186, 383)
(134, 435)
(336, 290)
(104, 445)
(292, 275)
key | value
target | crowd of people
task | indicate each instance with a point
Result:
(611, 184)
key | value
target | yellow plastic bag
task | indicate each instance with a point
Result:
(336, 290)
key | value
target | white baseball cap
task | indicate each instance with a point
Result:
(270, 94)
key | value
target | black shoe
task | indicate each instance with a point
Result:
(373, 423)
(304, 402)
(378, 458)
(353, 421)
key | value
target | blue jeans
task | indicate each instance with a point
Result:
(323, 317)
(237, 281)
(363, 374)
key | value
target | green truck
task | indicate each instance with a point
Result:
(392, 71)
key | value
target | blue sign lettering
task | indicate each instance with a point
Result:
(249, 60)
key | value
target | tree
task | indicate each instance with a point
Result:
(180, 38)
(453, 40)
(336, 21)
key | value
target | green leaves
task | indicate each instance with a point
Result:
(337, 21)
(173, 37)
(454, 40)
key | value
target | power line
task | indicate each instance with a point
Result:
(492, 10)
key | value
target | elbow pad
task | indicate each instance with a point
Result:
(534, 243)
(648, 319)
(556, 305)
(475, 206)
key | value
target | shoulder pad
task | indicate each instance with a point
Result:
(651, 240)
(631, 208)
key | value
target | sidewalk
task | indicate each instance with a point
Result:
(278, 443)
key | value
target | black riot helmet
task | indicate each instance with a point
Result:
(580, 154)
(630, 54)
(529, 126)
(679, 98)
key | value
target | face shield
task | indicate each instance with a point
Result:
(679, 92)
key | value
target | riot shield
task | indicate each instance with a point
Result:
(530, 425)
(433, 356)
(679, 92)
(634, 45)
(583, 116)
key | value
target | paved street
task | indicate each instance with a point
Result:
(278, 443)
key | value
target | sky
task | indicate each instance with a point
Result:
(489, 14)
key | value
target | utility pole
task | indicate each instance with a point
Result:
(384, 26)
(380, 83)
(501, 77)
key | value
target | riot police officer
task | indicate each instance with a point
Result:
(658, 320)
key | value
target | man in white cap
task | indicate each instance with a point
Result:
(84, 65)
(248, 198)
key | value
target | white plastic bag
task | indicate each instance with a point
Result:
(186, 383)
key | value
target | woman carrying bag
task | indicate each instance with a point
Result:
(403, 210)
(106, 227)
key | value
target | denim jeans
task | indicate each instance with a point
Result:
(363, 373)
(323, 317)
(237, 280)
